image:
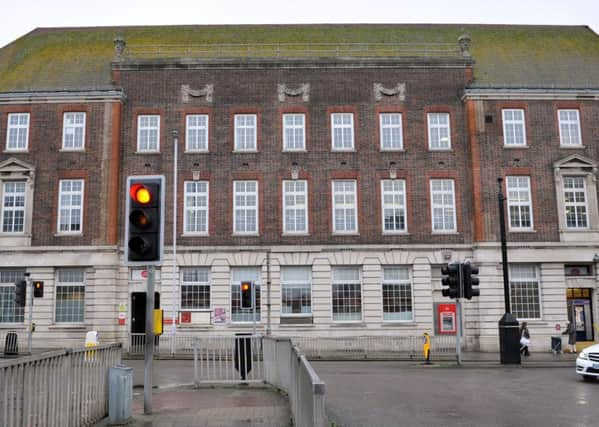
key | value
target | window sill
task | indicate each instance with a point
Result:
(68, 234)
(72, 150)
(13, 326)
(351, 233)
(448, 233)
(196, 152)
(511, 147)
(572, 147)
(246, 234)
(244, 151)
(395, 233)
(343, 150)
(297, 325)
(348, 324)
(194, 235)
(440, 150)
(16, 151)
(392, 150)
(532, 230)
(398, 323)
(301, 150)
(295, 234)
(74, 326)
(147, 152)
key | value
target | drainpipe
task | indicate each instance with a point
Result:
(268, 328)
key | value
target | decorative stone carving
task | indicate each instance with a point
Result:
(295, 172)
(187, 92)
(303, 90)
(399, 90)
(195, 175)
(465, 42)
(119, 47)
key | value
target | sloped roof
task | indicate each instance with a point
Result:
(505, 55)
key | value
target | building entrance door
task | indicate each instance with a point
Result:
(138, 311)
(580, 312)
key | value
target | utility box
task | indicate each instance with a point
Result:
(120, 394)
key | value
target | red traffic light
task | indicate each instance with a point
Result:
(140, 193)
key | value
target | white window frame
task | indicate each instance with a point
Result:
(197, 134)
(70, 207)
(69, 284)
(70, 128)
(444, 206)
(196, 208)
(338, 139)
(519, 196)
(436, 128)
(296, 207)
(245, 207)
(510, 125)
(522, 281)
(6, 198)
(576, 205)
(289, 286)
(394, 131)
(17, 129)
(397, 204)
(10, 313)
(145, 133)
(246, 135)
(336, 282)
(296, 142)
(569, 128)
(399, 283)
(349, 206)
(196, 277)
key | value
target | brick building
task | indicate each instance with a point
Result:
(338, 167)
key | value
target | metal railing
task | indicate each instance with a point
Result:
(288, 369)
(295, 50)
(374, 347)
(61, 388)
(228, 359)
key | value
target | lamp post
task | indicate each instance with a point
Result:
(509, 334)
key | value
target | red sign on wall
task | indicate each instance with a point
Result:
(446, 319)
(186, 317)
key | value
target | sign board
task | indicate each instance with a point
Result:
(220, 316)
(446, 319)
(141, 274)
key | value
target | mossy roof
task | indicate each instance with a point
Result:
(505, 55)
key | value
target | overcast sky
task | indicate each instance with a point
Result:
(19, 17)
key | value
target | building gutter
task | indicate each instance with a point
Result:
(59, 96)
(570, 94)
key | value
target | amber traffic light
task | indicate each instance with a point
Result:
(246, 295)
(143, 234)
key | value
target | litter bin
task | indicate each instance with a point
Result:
(243, 354)
(11, 345)
(556, 344)
(120, 394)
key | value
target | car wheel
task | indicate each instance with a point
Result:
(588, 378)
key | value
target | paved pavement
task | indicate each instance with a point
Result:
(176, 403)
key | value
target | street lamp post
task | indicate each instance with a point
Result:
(509, 334)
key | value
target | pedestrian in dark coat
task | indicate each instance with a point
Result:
(524, 339)
(571, 332)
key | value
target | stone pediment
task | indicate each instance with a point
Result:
(576, 161)
(15, 166)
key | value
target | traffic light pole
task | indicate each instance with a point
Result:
(149, 344)
(254, 307)
(459, 316)
(30, 293)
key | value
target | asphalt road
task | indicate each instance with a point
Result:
(380, 394)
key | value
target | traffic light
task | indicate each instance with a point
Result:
(451, 279)
(20, 293)
(38, 289)
(246, 295)
(144, 225)
(470, 281)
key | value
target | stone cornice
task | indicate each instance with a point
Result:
(530, 94)
(62, 96)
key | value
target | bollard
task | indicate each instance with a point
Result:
(426, 348)
(120, 394)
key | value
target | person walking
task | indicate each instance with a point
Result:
(571, 332)
(524, 339)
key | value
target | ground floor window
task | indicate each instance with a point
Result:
(397, 294)
(525, 291)
(9, 311)
(70, 296)
(296, 290)
(347, 294)
(195, 289)
(238, 275)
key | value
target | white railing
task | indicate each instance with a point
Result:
(228, 359)
(61, 388)
(286, 368)
(374, 347)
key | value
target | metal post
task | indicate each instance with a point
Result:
(459, 315)
(509, 335)
(268, 328)
(175, 296)
(254, 307)
(149, 348)
(29, 289)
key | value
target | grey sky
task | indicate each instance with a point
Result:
(18, 18)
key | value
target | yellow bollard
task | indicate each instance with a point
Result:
(426, 347)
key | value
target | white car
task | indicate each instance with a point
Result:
(587, 363)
